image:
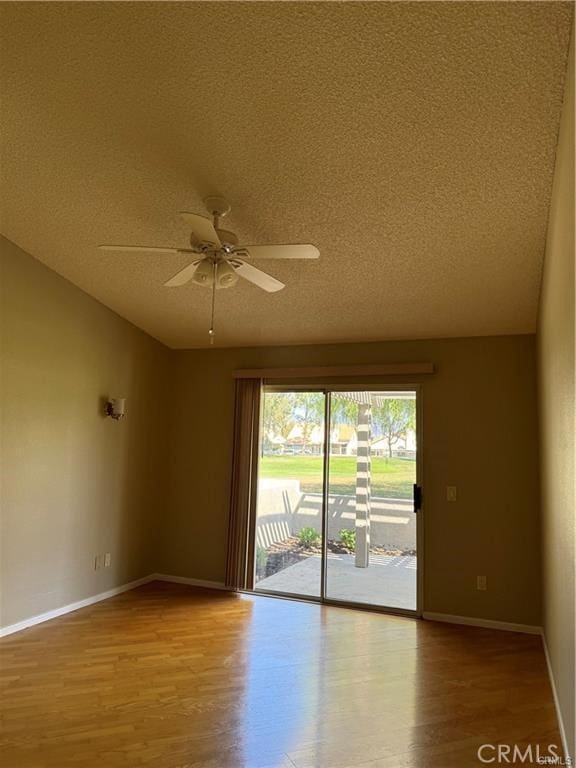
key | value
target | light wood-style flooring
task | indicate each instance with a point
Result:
(169, 676)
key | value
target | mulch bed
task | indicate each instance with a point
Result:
(293, 545)
(291, 551)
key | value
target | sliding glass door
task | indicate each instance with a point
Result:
(289, 520)
(371, 530)
(338, 492)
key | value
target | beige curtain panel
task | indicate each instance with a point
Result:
(240, 562)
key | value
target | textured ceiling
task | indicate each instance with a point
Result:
(413, 143)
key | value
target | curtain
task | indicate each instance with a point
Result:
(242, 521)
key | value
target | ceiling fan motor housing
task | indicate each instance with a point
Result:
(227, 237)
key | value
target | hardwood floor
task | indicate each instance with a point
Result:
(175, 677)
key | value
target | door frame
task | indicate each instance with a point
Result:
(327, 389)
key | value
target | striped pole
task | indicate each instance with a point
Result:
(364, 430)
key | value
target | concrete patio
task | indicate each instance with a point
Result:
(388, 581)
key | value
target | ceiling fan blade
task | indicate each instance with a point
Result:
(150, 248)
(202, 229)
(184, 276)
(256, 276)
(297, 251)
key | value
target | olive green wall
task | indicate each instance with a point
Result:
(74, 483)
(556, 362)
(479, 433)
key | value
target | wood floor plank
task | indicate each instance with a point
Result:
(175, 677)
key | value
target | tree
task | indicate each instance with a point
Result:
(308, 412)
(278, 414)
(344, 410)
(394, 418)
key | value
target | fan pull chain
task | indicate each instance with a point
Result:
(211, 332)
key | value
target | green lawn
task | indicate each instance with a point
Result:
(390, 477)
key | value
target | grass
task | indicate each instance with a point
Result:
(390, 477)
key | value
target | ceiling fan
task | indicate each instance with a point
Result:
(220, 259)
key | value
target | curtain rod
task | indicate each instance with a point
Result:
(388, 369)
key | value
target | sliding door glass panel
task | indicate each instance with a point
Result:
(288, 557)
(371, 525)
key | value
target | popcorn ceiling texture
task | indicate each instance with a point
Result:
(413, 143)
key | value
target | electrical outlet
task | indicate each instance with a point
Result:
(481, 583)
(451, 493)
(107, 560)
(97, 562)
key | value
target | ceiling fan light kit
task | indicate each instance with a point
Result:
(224, 275)
(204, 273)
(221, 259)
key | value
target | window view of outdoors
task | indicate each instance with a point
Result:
(370, 526)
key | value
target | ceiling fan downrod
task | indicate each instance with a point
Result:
(217, 207)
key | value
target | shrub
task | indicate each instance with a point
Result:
(261, 559)
(309, 537)
(348, 538)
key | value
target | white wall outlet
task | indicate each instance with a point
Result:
(451, 493)
(107, 560)
(97, 562)
(481, 583)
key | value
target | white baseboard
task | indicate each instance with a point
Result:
(445, 617)
(41, 617)
(189, 581)
(561, 727)
(470, 621)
